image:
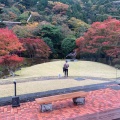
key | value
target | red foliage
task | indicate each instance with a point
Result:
(10, 61)
(36, 48)
(9, 42)
(102, 37)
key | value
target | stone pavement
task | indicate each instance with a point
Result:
(102, 104)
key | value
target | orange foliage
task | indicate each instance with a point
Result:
(60, 7)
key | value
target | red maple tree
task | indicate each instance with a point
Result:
(35, 48)
(9, 42)
(10, 62)
(101, 38)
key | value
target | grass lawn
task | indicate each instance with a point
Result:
(79, 68)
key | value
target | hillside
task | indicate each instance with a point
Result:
(72, 17)
(47, 10)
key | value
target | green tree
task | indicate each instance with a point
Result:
(24, 16)
(4, 2)
(2, 25)
(42, 4)
(68, 45)
(1, 11)
(54, 33)
(49, 42)
(29, 3)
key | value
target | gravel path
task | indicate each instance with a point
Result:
(78, 78)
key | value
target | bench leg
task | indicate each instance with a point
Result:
(46, 107)
(79, 101)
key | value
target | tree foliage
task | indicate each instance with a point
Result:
(2, 25)
(9, 45)
(28, 3)
(57, 19)
(10, 14)
(25, 31)
(87, 10)
(24, 16)
(1, 11)
(49, 42)
(68, 45)
(51, 31)
(54, 33)
(78, 26)
(9, 42)
(42, 4)
(10, 62)
(35, 48)
(101, 38)
(60, 7)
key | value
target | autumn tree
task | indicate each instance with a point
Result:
(10, 14)
(9, 42)
(10, 62)
(35, 48)
(66, 31)
(25, 31)
(9, 45)
(59, 19)
(102, 38)
(78, 26)
(35, 17)
(60, 7)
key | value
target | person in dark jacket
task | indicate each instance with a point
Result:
(65, 69)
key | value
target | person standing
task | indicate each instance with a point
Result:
(65, 67)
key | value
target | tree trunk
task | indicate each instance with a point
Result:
(110, 61)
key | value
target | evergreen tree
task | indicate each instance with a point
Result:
(28, 3)
(2, 25)
(42, 4)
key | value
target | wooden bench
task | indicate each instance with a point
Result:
(46, 102)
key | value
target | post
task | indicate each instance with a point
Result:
(14, 87)
(15, 99)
